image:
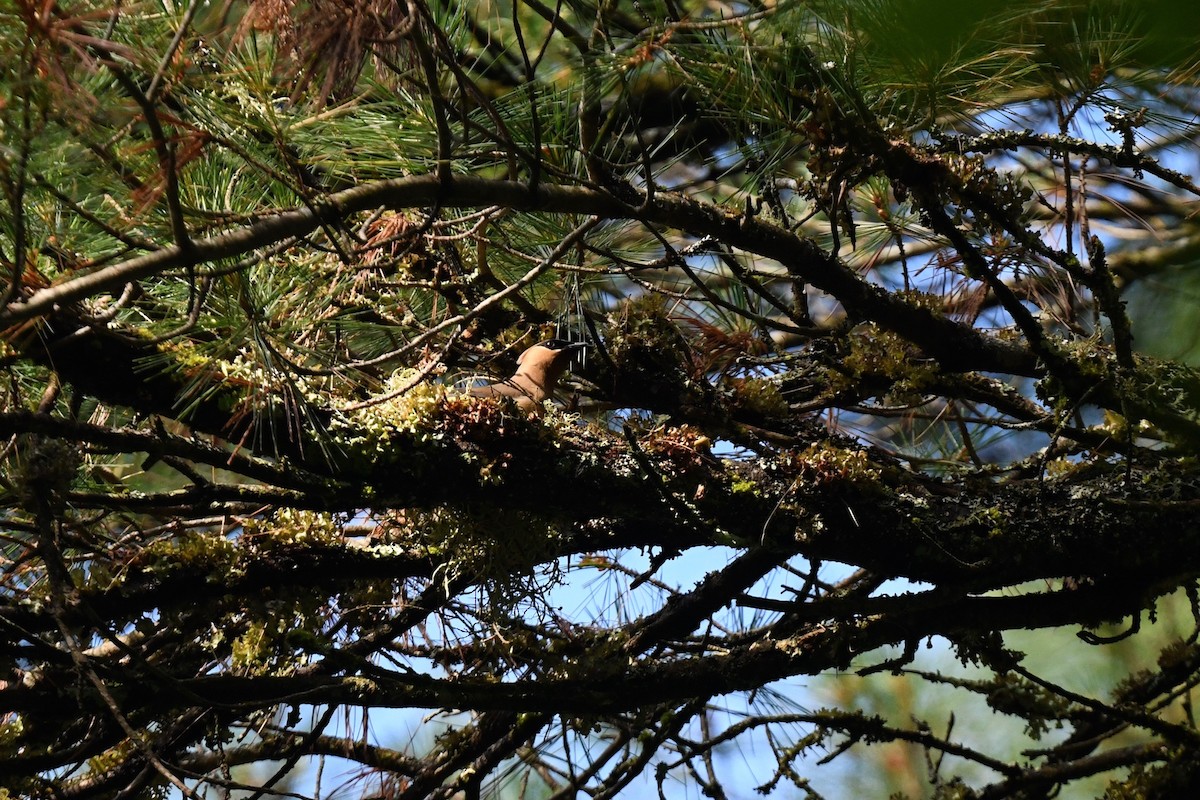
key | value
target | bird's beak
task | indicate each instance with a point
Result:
(577, 346)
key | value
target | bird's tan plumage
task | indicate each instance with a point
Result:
(538, 371)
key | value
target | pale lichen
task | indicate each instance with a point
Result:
(824, 463)
(294, 526)
(407, 406)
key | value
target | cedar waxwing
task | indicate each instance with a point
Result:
(538, 371)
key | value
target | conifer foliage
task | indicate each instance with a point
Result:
(887, 305)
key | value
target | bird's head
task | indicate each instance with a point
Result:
(550, 353)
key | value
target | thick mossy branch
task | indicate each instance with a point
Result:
(609, 681)
(956, 345)
(909, 349)
(597, 491)
(454, 449)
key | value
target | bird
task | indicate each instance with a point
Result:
(538, 371)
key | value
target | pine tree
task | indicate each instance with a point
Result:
(888, 313)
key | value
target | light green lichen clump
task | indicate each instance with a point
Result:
(824, 464)
(408, 407)
(294, 526)
(875, 352)
(497, 552)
